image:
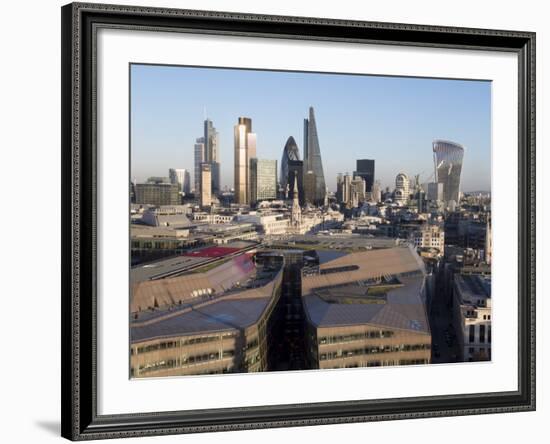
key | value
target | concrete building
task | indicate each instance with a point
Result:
(268, 224)
(472, 315)
(263, 180)
(367, 309)
(430, 237)
(206, 185)
(402, 183)
(157, 191)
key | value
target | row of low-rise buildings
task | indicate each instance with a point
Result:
(363, 309)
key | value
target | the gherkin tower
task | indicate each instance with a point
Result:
(290, 152)
(312, 156)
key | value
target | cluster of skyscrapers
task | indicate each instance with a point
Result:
(257, 179)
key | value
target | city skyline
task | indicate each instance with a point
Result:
(167, 120)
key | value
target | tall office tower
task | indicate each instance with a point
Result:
(365, 170)
(186, 187)
(421, 201)
(290, 152)
(263, 180)
(346, 195)
(212, 152)
(401, 193)
(358, 189)
(376, 193)
(296, 170)
(340, 188)
(206, 185)
(309, 187)
(199, 159)
(180, 176)
(245, 149)
(448, 166)
(312, 156)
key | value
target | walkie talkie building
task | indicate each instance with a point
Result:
(448, 166)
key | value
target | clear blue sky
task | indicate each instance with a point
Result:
(390, 119)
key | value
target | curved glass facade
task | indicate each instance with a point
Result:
(448, 166)
(290, 152)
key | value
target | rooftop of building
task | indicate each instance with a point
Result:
(235, 309)
(193, 258)
(378, 287)
(473, 286)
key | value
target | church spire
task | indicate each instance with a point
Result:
(296, 215)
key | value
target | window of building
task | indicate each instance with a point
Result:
(482, 333)
(472, 333)
(489, 334)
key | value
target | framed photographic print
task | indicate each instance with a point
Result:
(275, 221)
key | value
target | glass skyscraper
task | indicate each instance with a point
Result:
(448, 166)
(312, 156)
(290, 152)
(199, 159)
(245, 149)
(212, 153)
(365, 170)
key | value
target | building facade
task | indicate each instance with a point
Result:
(472, 311)
(312, 156)
(199, 160)
(170, 340)
(263, 180)
(157, 192)
(290, 152)
(367, 310)
(365, 170)
(181, 177)
(206, 184)
(245, 149)
(430, 236)
(402, 183)
(448, 158)
(212, 153)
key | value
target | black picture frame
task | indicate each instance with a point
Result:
(80, 419)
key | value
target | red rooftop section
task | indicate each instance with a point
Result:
(213, 252)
